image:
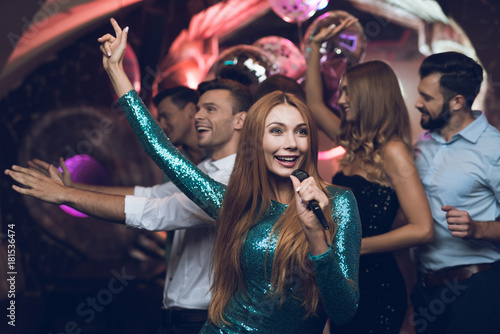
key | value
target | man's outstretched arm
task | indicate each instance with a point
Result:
(52, 189)
(43, 168)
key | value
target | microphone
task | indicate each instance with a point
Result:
(313, 205)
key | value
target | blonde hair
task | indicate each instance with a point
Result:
(375, 97)
(247, 199)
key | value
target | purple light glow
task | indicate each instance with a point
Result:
(88, 170)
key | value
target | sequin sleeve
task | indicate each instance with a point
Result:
(337, 269)
(200, 188)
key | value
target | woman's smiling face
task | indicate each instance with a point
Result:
(285, 141)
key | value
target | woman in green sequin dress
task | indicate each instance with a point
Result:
(276, 269)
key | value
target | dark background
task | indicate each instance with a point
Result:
(62, 261)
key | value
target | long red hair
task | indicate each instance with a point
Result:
(248, 197)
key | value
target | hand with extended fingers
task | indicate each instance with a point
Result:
(113, 47)
(47, 188)
(43, 168)
(328, 32)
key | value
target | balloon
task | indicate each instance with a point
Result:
(84, 169)
(336, 54)
(294, 10)
(349, 43)
(284, 54)
(247, 64)
(332, 71)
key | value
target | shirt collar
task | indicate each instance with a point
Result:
(471, 132)
(224, 163)
(474, 130)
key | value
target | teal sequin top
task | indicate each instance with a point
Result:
(336, 270)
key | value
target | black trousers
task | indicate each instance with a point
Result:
(467, 306)
(182, 321)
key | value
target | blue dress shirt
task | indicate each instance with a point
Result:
(463, 173)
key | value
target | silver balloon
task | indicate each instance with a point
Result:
(247, 64)
(294, 10)
(337, 53)
(288, 59)
(350, 43)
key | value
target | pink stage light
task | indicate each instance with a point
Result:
(330, 154)
(88, 170)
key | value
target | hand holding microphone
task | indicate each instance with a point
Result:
(313, 205)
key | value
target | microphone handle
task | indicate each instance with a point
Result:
(313, 205)
(316, 209)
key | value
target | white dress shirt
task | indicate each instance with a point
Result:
(165, 208)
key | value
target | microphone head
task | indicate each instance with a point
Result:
(300, 174)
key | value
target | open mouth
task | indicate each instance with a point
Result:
(346, 109)
(287, 161)
(201, 129)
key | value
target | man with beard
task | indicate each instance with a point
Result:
(458, 160)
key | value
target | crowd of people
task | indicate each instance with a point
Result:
(249, 253)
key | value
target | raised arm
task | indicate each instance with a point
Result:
(401, 170)
(201, 189)
(327, 121)
(113, 49)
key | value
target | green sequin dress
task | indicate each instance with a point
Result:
(336, 270)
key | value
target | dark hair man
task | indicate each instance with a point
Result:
(458, 160)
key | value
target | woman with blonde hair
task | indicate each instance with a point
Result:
(276, 268)
(378, 167)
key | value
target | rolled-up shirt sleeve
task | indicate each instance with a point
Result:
(165, 208)
(164, 214)
(157, 191)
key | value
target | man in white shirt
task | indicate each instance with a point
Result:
(221, 113)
